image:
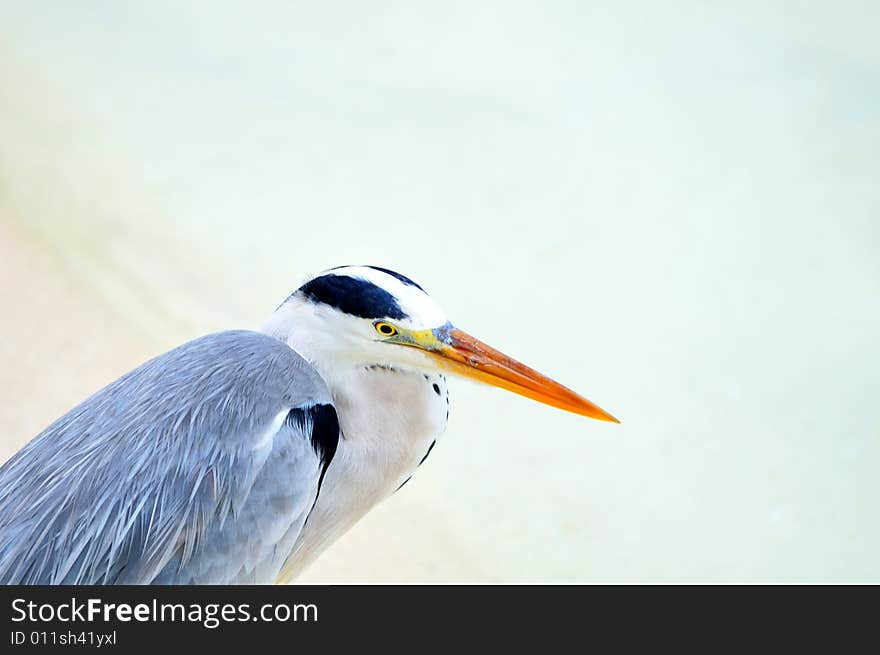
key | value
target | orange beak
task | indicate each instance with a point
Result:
(460, 353)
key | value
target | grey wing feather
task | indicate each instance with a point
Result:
(200, 466)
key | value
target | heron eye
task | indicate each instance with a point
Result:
(385, 329)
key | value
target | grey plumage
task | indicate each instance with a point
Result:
(165, 475)
(212, 463)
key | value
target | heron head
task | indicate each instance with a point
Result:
(355, 316)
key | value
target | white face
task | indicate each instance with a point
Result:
(331, 338)
(359, 316)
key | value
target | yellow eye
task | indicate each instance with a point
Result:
(385, 329)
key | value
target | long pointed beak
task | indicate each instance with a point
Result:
(460, 353)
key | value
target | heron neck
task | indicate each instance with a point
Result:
(389, 420)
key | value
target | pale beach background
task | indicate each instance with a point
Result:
(672, 207)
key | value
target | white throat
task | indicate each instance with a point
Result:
(389, 420)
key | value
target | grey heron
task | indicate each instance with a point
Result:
(238, 457)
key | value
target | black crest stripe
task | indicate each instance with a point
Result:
(402, 278)
(353, 296)
(399, 276)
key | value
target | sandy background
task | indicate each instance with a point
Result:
(675, 212)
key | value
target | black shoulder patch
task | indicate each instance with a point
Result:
(353, 296)
(325, 432)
